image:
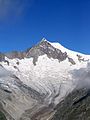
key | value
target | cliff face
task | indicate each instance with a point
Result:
(76, 106)
(2, 116)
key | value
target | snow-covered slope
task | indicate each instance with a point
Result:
(70, 53)
(47, 70)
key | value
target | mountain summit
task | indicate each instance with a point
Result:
(35, 81)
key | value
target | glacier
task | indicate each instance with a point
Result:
(38, 79)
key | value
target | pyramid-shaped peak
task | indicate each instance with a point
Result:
(44, 40)
(54, 44)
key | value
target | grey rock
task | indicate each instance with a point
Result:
(2, 57)
(15, 54)
(71, 61)
(76, 106)
(43, 48)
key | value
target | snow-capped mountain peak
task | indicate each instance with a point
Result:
(44, 75)
(72, 54)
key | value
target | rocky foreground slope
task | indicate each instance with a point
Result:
(34, 83)
(76, 106)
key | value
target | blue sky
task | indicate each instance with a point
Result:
(23, 24)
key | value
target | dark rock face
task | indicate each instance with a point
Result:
(4, 114)
(71, 61)
(2, 117)
(15, 54)
(45, 47)
(80, 58)
(2, 57)
(76, 106)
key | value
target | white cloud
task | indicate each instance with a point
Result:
(13, 7)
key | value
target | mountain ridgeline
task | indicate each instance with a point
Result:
(45, 82)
